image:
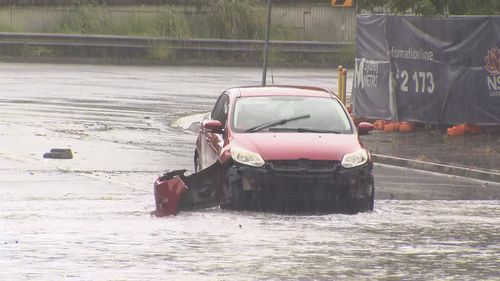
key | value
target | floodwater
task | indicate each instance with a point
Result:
(89, 218)
(110, 236)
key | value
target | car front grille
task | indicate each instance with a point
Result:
(303, 165)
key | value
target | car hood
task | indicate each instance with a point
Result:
(293, 146)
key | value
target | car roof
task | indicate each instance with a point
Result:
(254, 91)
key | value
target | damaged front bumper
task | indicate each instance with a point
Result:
(175, 192)
(280, 186)
(302, 186)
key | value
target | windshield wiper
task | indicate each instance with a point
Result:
(274, 123)
(306, 130)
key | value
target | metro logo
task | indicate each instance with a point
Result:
(492, 60)
(492, 65)
(366, 74)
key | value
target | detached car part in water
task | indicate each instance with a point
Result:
(276, 149)
(59, 153)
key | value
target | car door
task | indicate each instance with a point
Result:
(214, 141)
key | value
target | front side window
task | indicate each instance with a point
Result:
(307, 114)
(220, 109)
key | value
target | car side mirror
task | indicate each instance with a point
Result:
(364, 128)
(213, 126)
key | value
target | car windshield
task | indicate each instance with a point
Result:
(290, 113)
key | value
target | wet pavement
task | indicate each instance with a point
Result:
(89, 218)
(470, 151)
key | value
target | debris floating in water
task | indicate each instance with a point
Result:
(59, 153)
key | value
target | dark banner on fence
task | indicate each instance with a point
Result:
(428, 69)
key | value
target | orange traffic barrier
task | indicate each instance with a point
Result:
(458, 130)
(406, 127)
(391, 127)
(472, 129)
(462, 129)
(379, 124)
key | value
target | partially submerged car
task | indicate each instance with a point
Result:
(278, 149)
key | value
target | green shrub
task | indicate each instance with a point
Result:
(90, 20)
(164, 24)
(82, 20)
(136, 25)
(170, 24)
(7, 27)
(234, 19)
(283, 32)
(229, 19)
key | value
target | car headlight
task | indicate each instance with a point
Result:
(246, 157)
(355, 159)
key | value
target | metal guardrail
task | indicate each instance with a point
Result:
(144, 43)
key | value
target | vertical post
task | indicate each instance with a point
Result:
(344, 86)
(339, 81)
(266, 46)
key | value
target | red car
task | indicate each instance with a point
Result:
(280, 148)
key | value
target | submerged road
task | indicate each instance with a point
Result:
(88, 218)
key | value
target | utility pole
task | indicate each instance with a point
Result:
(266, 46)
